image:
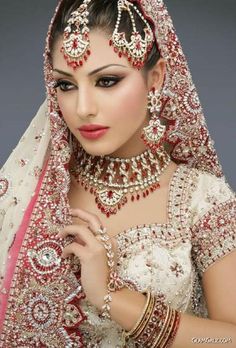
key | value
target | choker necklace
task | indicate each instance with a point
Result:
(113, 180)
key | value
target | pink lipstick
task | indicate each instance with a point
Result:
(93, 131)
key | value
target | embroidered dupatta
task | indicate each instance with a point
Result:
(40, 292)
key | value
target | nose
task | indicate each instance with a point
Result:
(86, 104)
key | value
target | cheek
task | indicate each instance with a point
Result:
(130, 102)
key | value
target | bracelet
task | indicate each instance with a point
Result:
(144, 314)
(114, 282)
(105, 313)
(171, 334)
(157, 326)
(163, 330)
(142, 321)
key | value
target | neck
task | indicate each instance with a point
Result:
(129, 150)
(133, 147)
(117, 155)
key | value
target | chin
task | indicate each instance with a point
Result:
(96, 150)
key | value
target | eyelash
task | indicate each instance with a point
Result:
(65, 86)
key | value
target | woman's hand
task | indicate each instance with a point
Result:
(92, 254)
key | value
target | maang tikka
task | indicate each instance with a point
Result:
(154, 134)
(137, 48)
(76, 43)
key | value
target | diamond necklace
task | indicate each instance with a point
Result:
(113, 180)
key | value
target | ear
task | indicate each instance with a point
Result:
(156, 75)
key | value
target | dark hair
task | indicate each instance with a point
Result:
(102, 15)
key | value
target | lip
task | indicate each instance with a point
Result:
(92, 127)
(94, 134)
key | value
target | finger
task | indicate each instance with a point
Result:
(71, 230)
(74, 249)
(92, 220)
(80, 232)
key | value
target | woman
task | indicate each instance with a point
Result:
(118, 228)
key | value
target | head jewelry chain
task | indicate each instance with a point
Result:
(76, 43)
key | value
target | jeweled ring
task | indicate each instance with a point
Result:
(101, 231)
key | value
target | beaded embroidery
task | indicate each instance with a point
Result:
(136, 246)
(152, 255)
(214, 235)
(188, 132)
(43, 306)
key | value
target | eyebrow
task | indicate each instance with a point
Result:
(92, 72)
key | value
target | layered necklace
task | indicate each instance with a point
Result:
(113, 181)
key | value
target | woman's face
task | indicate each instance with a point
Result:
(106, 91)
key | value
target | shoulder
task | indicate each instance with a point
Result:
(213, 224)
(208, 193)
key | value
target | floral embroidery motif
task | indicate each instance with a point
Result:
(45, 257)
(72, 315)
(37, 172)
(37, 315)
(23, 162)
(177, 269)
(192, 103)
(4, 187)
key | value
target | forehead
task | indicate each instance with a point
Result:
(101, 53)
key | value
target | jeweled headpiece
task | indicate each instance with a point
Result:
(76, 45)
(137, 48)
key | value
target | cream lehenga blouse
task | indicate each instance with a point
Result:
(169, 259)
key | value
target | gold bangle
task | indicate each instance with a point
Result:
(132, 331)
(156, 334)
(146, 318)
(163, 329)
(140, 320)
(157, 328)
(174, 330)
(169, 329)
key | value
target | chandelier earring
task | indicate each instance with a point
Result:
(153, 135)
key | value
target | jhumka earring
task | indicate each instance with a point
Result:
(137, 48)
(76, 44)
(153, 134)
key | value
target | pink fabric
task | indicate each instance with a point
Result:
(14, 251)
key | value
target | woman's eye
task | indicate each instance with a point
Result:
(107, 82)
(64, 86)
